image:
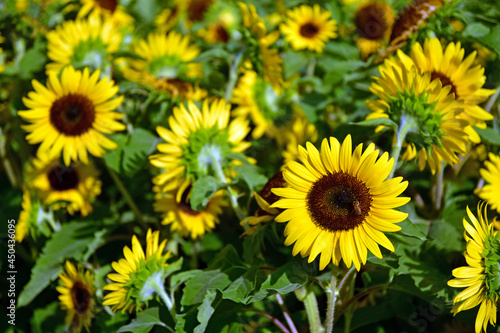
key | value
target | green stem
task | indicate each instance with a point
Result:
(405, 126)
(331, 295)
(349, 313)
(312, 311)
(233, 76)
(161, 291)
(123, 190)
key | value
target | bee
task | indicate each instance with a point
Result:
(357, 207)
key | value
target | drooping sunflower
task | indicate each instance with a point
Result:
(491, 191)
(423, 109)
(71, 187)
(167, 65)
(309, 28)
(77, 296)
(339, 203)
(374, 20)
(139, 275)
(482, 275)
(184, 219)
(464, 78)
(83, 43)
(197, 141)
(107, 9)
(71, 115)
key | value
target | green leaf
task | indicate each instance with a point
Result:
(377, 122)
(294, 62)
(211, 54)
(492, 40)
(135, 153)
(144, 322)
(202, 191)
(186, 322)
(48, 319)
(33, 59)
(476, 30)
(74, 240)
(146, 10)
(205, 311)
(113, 158)
(411, 230)
(251, 175)
(310, 112)
(173, 267)
(178, 279)
(489, 135)
(239, 290)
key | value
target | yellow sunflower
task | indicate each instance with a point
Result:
(374, 20)
(187, 221)
(308, 28)
(464, 78)
(196, 142)
(482, 275)
(71, 115)
(26, 217)
(81, 43)
(298, 132)
(72, 187)
(139, 275)
(339, 203)
(77, 296)
(491, 191)
(109, 9)
(167, 65)
(424, 110)
(219, 31)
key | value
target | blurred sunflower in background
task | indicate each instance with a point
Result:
(222, 23)
(309, 28)
(481, 277)
(77, 291)
(338, 203)
(297, 132)
(108, 9)
(491, 191)
(27, 216)
(88, 42)
(71, 115)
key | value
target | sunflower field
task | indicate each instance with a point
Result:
(250, 166)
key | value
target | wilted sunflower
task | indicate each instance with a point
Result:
(139, 275)
(81, 43)
(77, 296)
(309, 28)
(184, 219)
(464, 78)
(491, 191)
(167, 65)
(374, 20)
(339, 203)
(109, 9)
(71, 115)
(482, 275)
(196, 142)
(71, 187)
(426, 114)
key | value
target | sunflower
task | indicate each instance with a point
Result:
(491, 192)
(482, 275)
(71, 187)
(77, 291)
(308, 28)
(298, 132)
(196, 141)
(464, 78)
(374, 20)
(81, 43)
(71, 114)
(167, 65)
(139, 275)
(187, 221)
(424, 110)
(220, 30)
(26, 217)
(108, 9)
(339, 203)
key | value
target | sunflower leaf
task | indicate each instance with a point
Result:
(206, 309)
(488, 135)
(135, 153)
(251, 175)
(144, 322)
(202, 191)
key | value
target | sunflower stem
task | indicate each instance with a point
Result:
(123, 190)
(161, 291)
(331, 295)
(286, 313)
(404, 127)
(311, 304)
(233, 76)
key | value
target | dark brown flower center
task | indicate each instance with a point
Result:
(276, 181)
(338, 201)
(197, 8)
(62, 179)
(222, 34)
(108, 4)
(80, 295)
(309, 30)
(371, 22)
(72, 114)
(184, 205)
(445, 81)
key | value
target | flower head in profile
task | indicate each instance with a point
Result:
(139, 275)
(71, 115)
(27, 217)
(462, 75)
(338, 203)
(424, 111)
(491, 191)
(77, 296)
(198, 143)
(481, 277)
(88, 42)
(309, 28)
